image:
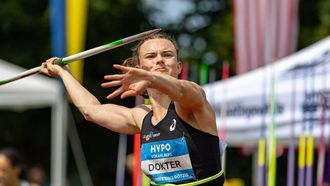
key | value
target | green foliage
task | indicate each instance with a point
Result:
(324, 7)
(314, 21)
(24, 32)
(203, 28)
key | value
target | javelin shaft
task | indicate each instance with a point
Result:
(84, 54)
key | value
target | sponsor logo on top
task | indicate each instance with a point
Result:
(150, 135)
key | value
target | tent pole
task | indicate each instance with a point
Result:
(58, 142)
(78, 153)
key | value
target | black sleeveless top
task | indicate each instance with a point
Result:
(175, 152)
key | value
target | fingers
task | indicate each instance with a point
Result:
(48, 67)
(114, 77)
(122, 68)
(49, 62)
(111, 84)
(123, 93)
(128, 84)
(128, 93)
(52, 60)
(43, 68)
(115, 80)
(116, 93)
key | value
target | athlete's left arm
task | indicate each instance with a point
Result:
(185, 93)
(135, 81)
(190, 101)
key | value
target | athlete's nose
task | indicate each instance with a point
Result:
(159, 59)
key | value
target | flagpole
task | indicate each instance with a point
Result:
(262, 138)
(272, 135)
(322, 145)
(310, 139)
(292, 144)
(321, 150)
(302, 145)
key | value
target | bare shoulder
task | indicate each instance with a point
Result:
(139, 112)
(201, 118)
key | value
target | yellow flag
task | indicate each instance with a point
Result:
(76, 16)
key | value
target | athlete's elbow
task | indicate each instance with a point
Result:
(87, 112)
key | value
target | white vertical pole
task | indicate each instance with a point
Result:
(59, 142)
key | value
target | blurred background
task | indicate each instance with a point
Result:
(209, 34)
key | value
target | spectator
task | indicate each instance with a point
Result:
(36, 174)
(12, 172)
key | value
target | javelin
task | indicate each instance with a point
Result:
(82, 55)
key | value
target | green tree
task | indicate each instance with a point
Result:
(314, 21)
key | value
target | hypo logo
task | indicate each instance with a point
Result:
(160, 148)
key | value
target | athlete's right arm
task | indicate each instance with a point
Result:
(114, 117)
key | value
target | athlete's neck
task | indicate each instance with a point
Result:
(159, 107)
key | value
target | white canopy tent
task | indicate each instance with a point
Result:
(242, 103)
(38, 92)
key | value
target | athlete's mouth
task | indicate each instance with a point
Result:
(161, 69)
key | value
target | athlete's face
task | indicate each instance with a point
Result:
(8, 173)
(159, 55)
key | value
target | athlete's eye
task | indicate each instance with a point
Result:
(150, 56)
(168, 54)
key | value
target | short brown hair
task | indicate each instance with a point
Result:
(159, 35)
(130, 62)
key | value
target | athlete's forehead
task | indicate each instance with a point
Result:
(155, 45)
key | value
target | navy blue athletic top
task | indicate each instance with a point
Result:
(175, 152)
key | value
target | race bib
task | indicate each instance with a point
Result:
(167, 161)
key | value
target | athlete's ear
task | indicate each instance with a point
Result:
(179, 67)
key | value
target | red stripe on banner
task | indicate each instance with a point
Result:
(240, 38)
(272, 24)
(137, 165)
(225, 75)
(184, 72)
(251, 34)
(294, 23)
(235, 38)
(291, 28)
(260, 34)
(225, 70)
(264, 31)
(247, 59)
(282, 47)
(277, 25)
(137, 174)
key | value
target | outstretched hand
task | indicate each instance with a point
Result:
(132, 82)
